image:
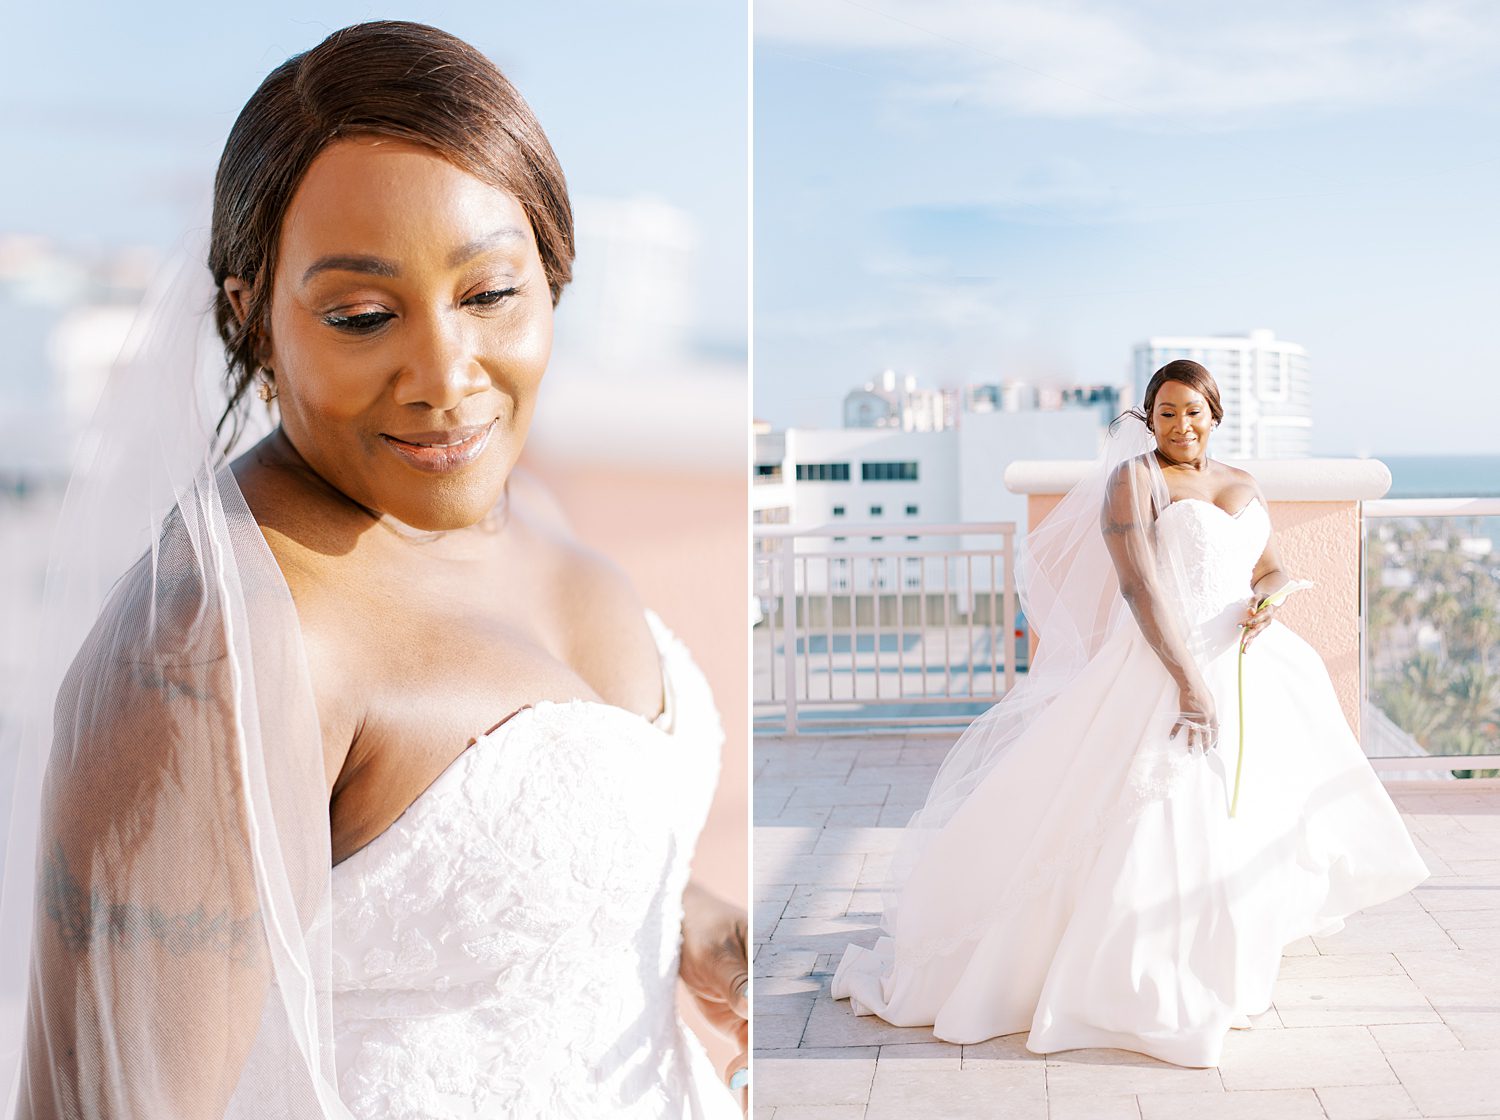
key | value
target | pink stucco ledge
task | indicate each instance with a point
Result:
(1316, 528)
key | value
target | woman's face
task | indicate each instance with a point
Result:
(410, 326)
(1181, 422)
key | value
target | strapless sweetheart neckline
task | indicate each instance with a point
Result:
(660, 724)
(1216, 505)
(536, 708)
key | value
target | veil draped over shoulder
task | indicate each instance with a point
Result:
(165, 922)
(1070, 572)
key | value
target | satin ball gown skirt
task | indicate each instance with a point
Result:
(1093, 889)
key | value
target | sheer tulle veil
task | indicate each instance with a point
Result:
(1069, 583)
(164, 929)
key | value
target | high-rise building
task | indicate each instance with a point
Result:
(1263, 382)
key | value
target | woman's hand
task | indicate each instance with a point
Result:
(1256, 620)
(716, 970)
(1197, 715)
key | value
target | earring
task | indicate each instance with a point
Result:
(266, 387)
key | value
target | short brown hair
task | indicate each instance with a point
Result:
(406, 81)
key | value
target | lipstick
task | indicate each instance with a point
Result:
(441, 451)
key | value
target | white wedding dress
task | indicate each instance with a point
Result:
(1093, 889)
(509, 947)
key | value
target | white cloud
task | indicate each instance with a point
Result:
(1149, 61)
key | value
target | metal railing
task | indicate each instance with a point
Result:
(858, 632)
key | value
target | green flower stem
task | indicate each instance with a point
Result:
(1239, 764)
(1276, 598)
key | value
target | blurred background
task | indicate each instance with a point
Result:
(112, 118)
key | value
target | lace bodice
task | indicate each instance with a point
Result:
(1218, 552)
(509, 946)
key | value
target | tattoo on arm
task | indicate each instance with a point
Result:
(153, 677)
(85, 916)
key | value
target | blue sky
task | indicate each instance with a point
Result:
(112, 115)
(969, 190)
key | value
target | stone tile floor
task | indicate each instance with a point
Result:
(1398, 1015)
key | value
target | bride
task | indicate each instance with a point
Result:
(368, 791)
(1081, 869)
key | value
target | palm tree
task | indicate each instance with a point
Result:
(1475, 695)
(1442, 609)
(1477, 628)
(1417, 700)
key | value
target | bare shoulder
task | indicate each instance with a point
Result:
(1128, 479)
(1127, 497)
(1237, 475)
(1236, 487)
(1130, 469)
(582, 572)
(598, 618)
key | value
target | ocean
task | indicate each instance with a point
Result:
(1443, 476)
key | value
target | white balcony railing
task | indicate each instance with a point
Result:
(858, 630)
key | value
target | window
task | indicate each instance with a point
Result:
(888, 472)
(767, 470)
(822, 472)
(911, 511)
(876, 511)
(838, 511)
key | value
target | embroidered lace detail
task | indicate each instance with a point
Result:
(1160, 769)
(509, 946)
(1217, 550)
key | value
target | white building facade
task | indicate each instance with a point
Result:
(1264, 384)
(885, 484)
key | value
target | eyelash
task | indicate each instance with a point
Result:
(370, 321)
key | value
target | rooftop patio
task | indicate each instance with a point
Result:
(1398, 1015)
